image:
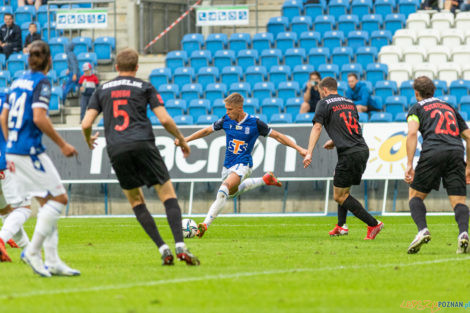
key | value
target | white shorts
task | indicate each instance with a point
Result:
(34, 176)
(244, 171)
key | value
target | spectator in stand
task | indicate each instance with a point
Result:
(10, 36)
(430, 5)
(311, 95)
(452, 5)
(72, 71)
(36, 3)
(359, 93)
(465, 6)
(88, 84)
(32, 36)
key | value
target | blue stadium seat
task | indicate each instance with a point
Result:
(191, 92)
(342, 55)
(63, 76)
(231, 74)
(160, 76)
(282, 118)
(331, 70)
(16, 62)
(278, 74)
(351, 68)
(207, 119)
(215, 91)
(3, 61)
(342, 87)
(361, 7)
(452, 100)
(288, 90)
(406, 7)
(293, 105)
(271, 57)
(323, 23)
(183, 76)
(242, 88)
(54, 103)
(376, 72)
(400, 117)
(357, 39)
(215, 42)
(251, 105)
(309, 39)
(263, 90)
(304, 118)
(332, 39)
(378, 102)
(255, 74)
(224, 58)
(301, 74)
(53, 31)
(348, 23)
(5, 78)
(368, 85)
(183, 120)
(315, 9)
(25, 14)
(5, 9)
(381, 117)
(263, 41)
(277, 25)
(218, 108)
(406, 89)
(394, 22)
(168, 92)
(57, 45)
(317, 56)
(154, 120)
(301, 24)
(247, 58)
(41, 15)
(380, 38)
(18, 74)
(366, 55)
(81, 44)
(395, 104)
(459, 88)
(363, 117)
(207, 75)
(262, 117)
(292, 8)
(272, 106)
(337, 8)
(176, 59)
(101, 123)
(441, 87)
(385, 88)
(239, 41)
(294, 57)
(384, 7)
(286, 40)
(192, 42)
(197, 108)
(372, 22)
(89, 57)
(464, 115)
(175, 107)
(104, 47)
(465, 104)
(201, 58)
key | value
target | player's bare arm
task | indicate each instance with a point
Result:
(200, 134)
(312, 142)
(87, 124)
(411, 143)
(329, 145)
(466, 136)
(171, 127)
(42, 121)
(4, 121)
(287, 142)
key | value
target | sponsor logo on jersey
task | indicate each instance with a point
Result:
(247, 130)
(237, 146)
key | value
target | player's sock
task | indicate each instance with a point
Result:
(358, 210)
(21, 238)
(461, 217)
(148, 223)
(48, 217)
(342, 213)
(162, 248)
(217, 206)
(173, 215)
(13, 223)
(418, 213)
(51, 244)
(250, 183)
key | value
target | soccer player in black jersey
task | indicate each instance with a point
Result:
(442, 157)
(130, 143)
(340, 118)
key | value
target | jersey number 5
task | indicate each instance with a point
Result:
(450, 120)
(351, 123)
(118, 112)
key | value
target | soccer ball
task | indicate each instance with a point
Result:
(189, 228)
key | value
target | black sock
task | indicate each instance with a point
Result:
(358, 210)
(418, 212)
(148, 223)
(173, 214)
(342, 213)
(461, 217)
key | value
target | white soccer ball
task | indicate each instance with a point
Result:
(189, 228)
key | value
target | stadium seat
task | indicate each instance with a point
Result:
(332, 39)
(197, 108)
(317, 56)
(239, 41)
(358, 39)
(3, 61)
(277, 25)
(294, 57)
(406, 89)
(263, 41)
(378, 102)
(464, 115)
(301, 24)
(264, 90)
(53, 31)
(57, 45)
(461, 55)
(424, 69)
(316, 8)
(465, 105)
(16, 62)
(242, 88)
(438, 54)
(380, 38)
(191, 92)
(371, 23)
(363, 117)
(337, 8)
(247, 58)
(395, 104)
(271, 57)
(406, 7)
(261, 117)
(85, 57)
(302, 118)
(346, 69)
(293, 105)
(282, 118)
(218, 108)
(414, 54)
(175, 107)
(168, 92)
(207, 119)
(292, 8)
(286, 40)
(394, 22)
(442, 20)
(459, 88)
(342, 55)
(449, 72)
(207, 75)
(81, 44)
(400, 117)
(255, 74)
(361, 7)
(176, 59)
(384, 7)
(183, 76)
(5, 78)
(25, 14)
(309, 39)
(428, 38)
(399, 72)
(215, 91)
(63, 76)
(192, 42)
(418, 21)
(41, 14)
(385, 89)
(301, 74)
(104, 47)
(342, 87)
(390, 55)
(201, 58)
(441, 87)
(328, 70)
(251, 105)
(183, 120)
(452, 37)
(288, 90)
(376, 72)
(452, 100)
(380, 117)
(279, 74)
(18, 74)
(224, 58)
(160, 76)
(215, 42)
(54, 103)
(462, 20)
(323, 23)
(271, 106)
(348, 23)
(231, 74)
(404, 38)
(465, 74)
(366, 55)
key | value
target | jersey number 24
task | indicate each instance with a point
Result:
(15, 117)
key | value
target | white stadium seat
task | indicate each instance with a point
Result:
(462, 21)
(417, 21)
(449, 72)
(428, 38)
(442, 20)
(414, 54)
(404, 37)
(399, 72)
(452, 37)
(438, 54)
(461, 55)
(466, 71)
(390, 54)
(467, 36)
(424, 69)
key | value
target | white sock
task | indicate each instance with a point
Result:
(51, 243)
(48, 217)
(13, 222)
(217, 206)
(180, 245)
(21, 238)
(249, 184)
(163, 248)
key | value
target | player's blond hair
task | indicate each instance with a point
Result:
(127, 60)
(234, 99)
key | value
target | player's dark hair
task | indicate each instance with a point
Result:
(8, 14)
(39, 59)
(353, 75)
(316, 74)
(234, 99)
(424, 86)
(127, 60)
(329, 83)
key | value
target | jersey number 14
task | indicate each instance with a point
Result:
(351, 122)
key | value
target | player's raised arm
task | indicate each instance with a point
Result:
(411, 143)
(287, 142)
(312, 142)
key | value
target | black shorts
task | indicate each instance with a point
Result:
(139, 167)
(350, 168)
(436, 165)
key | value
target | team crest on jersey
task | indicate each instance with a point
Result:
(238, 127)
(237, 146)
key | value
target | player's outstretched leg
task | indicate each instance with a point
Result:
(21, 239)
(423, 236)
(53, 263)
(214, 210)
(461, 217)
(340, 229)
(373, 226)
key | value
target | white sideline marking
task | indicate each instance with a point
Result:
(220, 276)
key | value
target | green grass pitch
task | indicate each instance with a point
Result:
(247, 265)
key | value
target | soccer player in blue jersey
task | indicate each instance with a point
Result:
(24, 120)
(241, 130)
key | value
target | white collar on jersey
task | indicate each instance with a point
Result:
(244, 119)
